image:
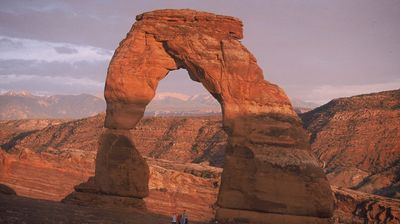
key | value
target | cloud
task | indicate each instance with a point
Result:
(42, 66)
(28, 49)
(44, 6)
(357, 42)
(95, 70)
(49, 85)
(8, 79)
(325, 93)
(7, 44)
(66, 50)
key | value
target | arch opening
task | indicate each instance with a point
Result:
(178, 95)
(188, 123)
(269, 169)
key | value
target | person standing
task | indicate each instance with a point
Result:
(184, 218)
(173, 221)
(178, 220)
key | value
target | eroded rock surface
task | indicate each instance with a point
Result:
(13, 131)
(358, 139)
(180, 139)
(359, 207)
(269, 167)
(120, 169)
(173, 187)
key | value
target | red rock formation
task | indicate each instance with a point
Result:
(269, 168)
(358, 138)
(43, 175)
(358, 207)
(120, 168)
(173, 187)
(13, 131)
(180, 139)
(158, 137)
(171, 137)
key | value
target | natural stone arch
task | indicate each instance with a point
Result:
(269, 171)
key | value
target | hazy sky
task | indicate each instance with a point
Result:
(315, 49)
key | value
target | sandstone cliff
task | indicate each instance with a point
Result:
(358, 140)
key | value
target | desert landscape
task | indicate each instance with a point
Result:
(45, 159)
(241, 150)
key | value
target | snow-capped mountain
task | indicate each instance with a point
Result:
(301, 106)
(19, 105)
(165, 95)
(168, 103)
(17, 93)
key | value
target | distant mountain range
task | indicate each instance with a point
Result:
(22, 105)
(182, 105)
(179, 104)
(301, 106)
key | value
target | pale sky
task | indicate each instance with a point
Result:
(315, 49)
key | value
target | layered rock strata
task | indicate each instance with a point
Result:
(358, 140)
(268, 168)
(180, 139)
(173, 188)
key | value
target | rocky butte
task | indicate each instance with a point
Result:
(269, 175)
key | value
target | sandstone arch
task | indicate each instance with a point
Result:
(269, 171)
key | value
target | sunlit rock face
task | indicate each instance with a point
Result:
(269, 170)
(358, 138)
(120, 169)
